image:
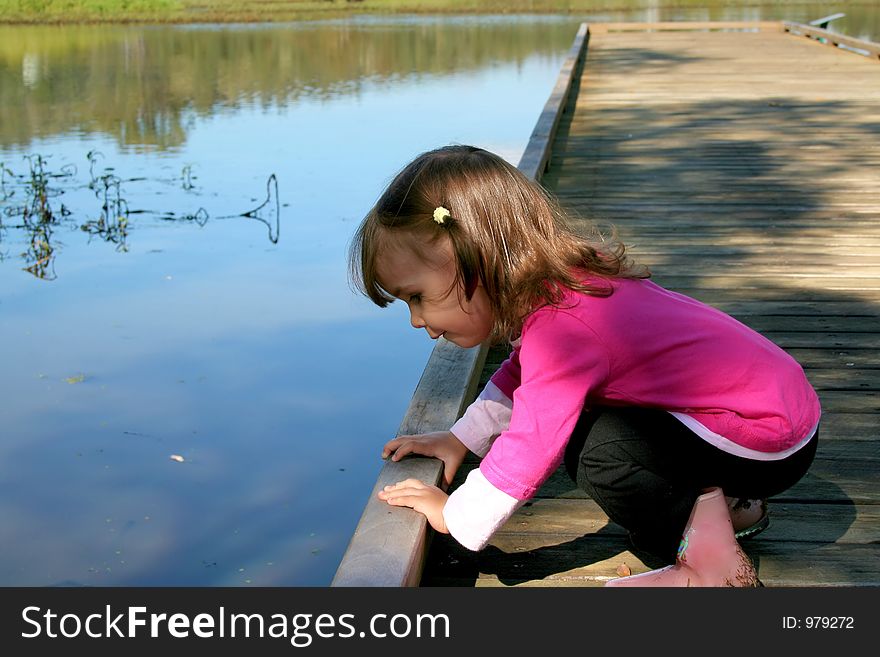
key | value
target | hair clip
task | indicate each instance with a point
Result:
(440, 214)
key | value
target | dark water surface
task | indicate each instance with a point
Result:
(174, 211)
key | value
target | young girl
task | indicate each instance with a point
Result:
(658, 404)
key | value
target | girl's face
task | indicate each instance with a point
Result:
(423, 276)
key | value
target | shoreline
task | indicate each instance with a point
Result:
(188, 12)
(226, 15)
(210, 20)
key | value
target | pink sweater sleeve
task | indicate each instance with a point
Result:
(507, 377)
(559, 362)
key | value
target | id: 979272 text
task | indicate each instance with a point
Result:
(818, 623)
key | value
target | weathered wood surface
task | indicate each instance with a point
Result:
(570, 542)
(537, 153)
(389, 544)
(742, 167)
(689, 26)
(833, 39)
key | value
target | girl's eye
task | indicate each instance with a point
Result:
(415, 298)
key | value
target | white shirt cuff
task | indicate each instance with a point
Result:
(484, 420)
(476, 510)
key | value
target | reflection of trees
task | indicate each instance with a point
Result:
(27, 206)
(139, 83)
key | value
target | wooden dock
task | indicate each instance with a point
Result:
(744, 169)
(741, 162)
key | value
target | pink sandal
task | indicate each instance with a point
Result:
(708, 554)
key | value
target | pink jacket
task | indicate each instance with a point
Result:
(642, 346)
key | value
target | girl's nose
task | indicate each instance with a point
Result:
(416, 320)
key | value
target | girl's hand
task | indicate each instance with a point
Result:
(440, 444)
(428, 500)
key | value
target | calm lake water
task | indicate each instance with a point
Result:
(175, 205)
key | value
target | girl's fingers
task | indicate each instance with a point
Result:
(403, 450)
(411, 497)
(403, 500)
(423, 498)
(393, 447)
(406, 483)
(408, 447)
(410, 442)
(401, 488)
(406, 497)
(390, 446)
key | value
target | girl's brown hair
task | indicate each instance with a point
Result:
(506, 231)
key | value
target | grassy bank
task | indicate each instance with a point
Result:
(192, 11)
(60, 11)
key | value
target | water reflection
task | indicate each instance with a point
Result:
(182, 320)
(145, 85)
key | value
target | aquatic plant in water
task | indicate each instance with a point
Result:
(27, 202)
(112, 224)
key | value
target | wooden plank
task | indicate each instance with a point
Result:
(845, 523)
(747, 282)
(804, 308)
(791, 340)
(816, 564)
(513, 561)
(831, 256)
(679, 233)
(851, 401)
(781, 273)
(593, 560)
(846, 379)
(832, 39)
(849, 379)
(769, 262)
(857, 280)
(780, 294)
(537, 153)
(389, 544)
(840, 360)
(814, 324)
(571, 542)
(687, 26)
(706, 207)
(849, 426)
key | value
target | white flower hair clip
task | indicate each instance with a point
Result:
(440, 214)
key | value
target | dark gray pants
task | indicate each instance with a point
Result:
(645, 469)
